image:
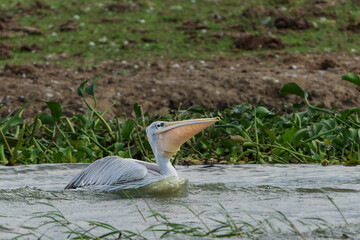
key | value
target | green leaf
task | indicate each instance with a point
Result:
(330, 123)
(5, 127)
(288, 135)
(123, 154)
(296, 140)
(137, 110)
(338, 143)
(87, 150)
(262, 112)
(353, 134)
(228, 143)
(127, 128)
(65, 151)
(91, 88)
(3, 159)
(118, 146)
(219, 151)
(317, 128)
(55, 109)
(46, 118)
(351, 77)
(81, 89)
(196, 109)
(10, 140)
(293, 88)
(348, 112)
(31, 154)
(241, 108)
(58, 157)
(271, 134)
(16, 121)
(345, 135)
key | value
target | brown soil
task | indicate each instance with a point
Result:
(249, 41)
(294, 23)
(160, 86)
(5, 50)
(9, 27)
(68, 26)
(34, 8)
(121, 7)
(260, 12)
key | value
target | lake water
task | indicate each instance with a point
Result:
(249, 193)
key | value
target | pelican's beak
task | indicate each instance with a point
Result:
(174, 134)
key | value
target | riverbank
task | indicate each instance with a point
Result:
(245, 134)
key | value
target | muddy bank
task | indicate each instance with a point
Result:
(160, 86)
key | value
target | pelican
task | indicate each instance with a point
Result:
(114, 173)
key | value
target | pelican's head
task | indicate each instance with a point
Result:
(167, 137)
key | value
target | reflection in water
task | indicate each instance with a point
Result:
(299, 191)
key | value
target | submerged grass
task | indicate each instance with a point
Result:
(140, 30)
(54, 223)
(245, 134)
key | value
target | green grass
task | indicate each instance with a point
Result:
(161, 20)
(245, 134)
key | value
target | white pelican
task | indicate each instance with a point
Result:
(114, 173)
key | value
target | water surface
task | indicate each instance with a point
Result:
(298, 191)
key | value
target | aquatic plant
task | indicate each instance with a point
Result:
(224, 226)
(245, 134)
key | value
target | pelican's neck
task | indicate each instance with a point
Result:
(166, 169)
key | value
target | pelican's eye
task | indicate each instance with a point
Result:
(160, 125)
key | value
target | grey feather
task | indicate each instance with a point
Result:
(111, 170)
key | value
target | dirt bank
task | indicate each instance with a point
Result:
(159, 86)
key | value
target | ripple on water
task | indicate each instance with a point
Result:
(33, 195)
(326, 189)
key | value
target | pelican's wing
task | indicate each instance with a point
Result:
(108, 171)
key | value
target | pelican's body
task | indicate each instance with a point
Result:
(114, 173)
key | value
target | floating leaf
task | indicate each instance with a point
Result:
(293, 88)
(351, 77)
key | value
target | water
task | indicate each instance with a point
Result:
(298, 191)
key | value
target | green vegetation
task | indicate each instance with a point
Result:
(245, 134)
(224, 226)
(195, 30)
(200, 29)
